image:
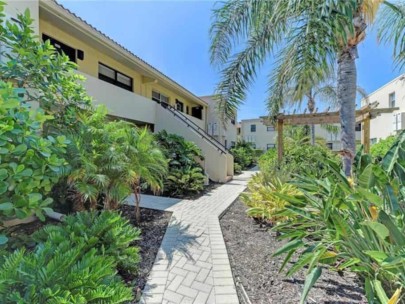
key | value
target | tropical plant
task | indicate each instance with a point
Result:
(61, 273)
(308, 38)
(30, 163)
(263, 200)
(185, 174)
(106, 231)
(381, 148)
(179, 151)
(57, 87)
(244, 155)
(100, 167)
(147, 163)
(184, 180)
(355, 224)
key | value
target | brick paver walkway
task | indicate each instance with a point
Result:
(192, 264)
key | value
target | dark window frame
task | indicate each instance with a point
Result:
(160, 97)
(179, 105)
(270, 128)
(253, 128)
(391, 103)
(61, 47)
(358, 127)
(115, 80)
(271, 146)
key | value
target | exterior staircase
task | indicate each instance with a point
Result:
(218, 162)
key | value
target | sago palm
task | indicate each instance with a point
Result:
(146, 162)
(307, 38)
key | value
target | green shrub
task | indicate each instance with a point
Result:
(61, 273)
(244, 155)
(381, 148)
(263, 197)
(237, 168)
(185, 173)
(355, 224)
(185, 180)
(105, 231)
(30, 164)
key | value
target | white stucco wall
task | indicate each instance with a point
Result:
(261, 138)
(383, 126)
(215, 163)
(120, 102)
(225, 134)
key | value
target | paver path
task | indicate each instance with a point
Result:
(192, 264)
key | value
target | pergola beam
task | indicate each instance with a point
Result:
(363, 115)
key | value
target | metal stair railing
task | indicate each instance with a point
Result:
(195, 127)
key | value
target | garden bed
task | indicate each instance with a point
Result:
(250, 247)
(153, 226)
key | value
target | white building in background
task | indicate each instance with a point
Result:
(265, 137)
(226, 133)
(390, 95)
(256, 132)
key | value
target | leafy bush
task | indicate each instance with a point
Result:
(185, 173)
(74, 263)
(263, 197)
(244, 155)
(237, 168)
(184, 180)
(297, 158)
(105, 231)
(355, 224)
(30, 163)
(381, 148)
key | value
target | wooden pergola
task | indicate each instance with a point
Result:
(363, 115)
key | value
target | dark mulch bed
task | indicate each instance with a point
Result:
(250, 247)
(153, 226)
(189, 196)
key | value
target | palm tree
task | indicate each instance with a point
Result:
(147, 163)
(325, 93)
(307, 39)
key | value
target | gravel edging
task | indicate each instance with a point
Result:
(250, 248)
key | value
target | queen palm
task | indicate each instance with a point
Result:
(146, 163)
(307, 38)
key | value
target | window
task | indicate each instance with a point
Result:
(270, 128)
(252, 128)
(233, 120)
(358, 127)
(156, 96)
(114, 77)
(187, 110)
(179, 105)
(197, 112)
(233, 144)
(391, 100)
(253, 145)
(61, 48)
(373, 141)
(270, 146)
(330, 146)
(226, 143)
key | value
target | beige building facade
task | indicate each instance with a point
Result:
(130, 87)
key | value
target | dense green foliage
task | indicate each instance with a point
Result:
(244, 156)
(72, 263)
(185, 173)
(30, 163)
(354, 224)
(381, 148)
(100, 169)
(105, 231)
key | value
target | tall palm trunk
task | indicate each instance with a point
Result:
(311, 109)
(346, 92)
